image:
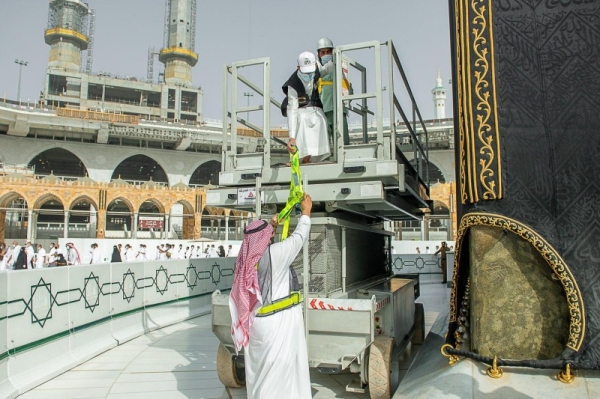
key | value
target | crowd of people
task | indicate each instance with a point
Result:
(19, 257)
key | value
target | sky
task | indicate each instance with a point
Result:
(236, 30)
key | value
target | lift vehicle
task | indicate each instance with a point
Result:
(358, 315)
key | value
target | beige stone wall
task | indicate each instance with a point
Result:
(446, 193)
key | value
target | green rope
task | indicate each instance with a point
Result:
(296, 194)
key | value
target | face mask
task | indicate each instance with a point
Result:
(307, 77)
(325, 59)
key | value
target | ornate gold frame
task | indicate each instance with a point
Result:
(480, 164)
(554, 260)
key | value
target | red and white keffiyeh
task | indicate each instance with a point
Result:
(245, 298)
(72, 246)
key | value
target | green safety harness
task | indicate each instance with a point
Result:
(296, 194)
(294, 199)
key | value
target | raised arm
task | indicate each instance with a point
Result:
(286, 251)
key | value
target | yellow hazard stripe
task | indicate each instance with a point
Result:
(281, 304)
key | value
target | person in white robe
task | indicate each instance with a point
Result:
(129, 255)
(141, 255)
(72, 256)
(96, 254)
(163, 252)
(212, 252)
(52, 255)
(40, 257)
(306, 120)
(275, 353)
(30, 254)
(7, 254)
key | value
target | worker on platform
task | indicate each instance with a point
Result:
(325, 88)
(266, 318)
(306, 121)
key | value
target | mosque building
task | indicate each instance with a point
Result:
(103, 156)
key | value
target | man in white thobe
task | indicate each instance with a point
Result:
(275, 354)
(306, 120)
(212, 252)
(16, 248)
(40, 257)
(95, 254)
(141, 255)
(52, 255)
(30, 253)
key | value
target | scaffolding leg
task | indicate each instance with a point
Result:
(258, 198)
(305, 268)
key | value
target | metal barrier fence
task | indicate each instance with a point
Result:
(54, 319)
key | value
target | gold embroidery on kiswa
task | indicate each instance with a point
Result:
(479, 137)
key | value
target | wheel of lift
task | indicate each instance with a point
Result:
(419, 335)
(230, 373)
(380, 367)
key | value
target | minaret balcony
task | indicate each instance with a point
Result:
(178, 52)
(55, 34)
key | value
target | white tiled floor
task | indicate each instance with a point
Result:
(180, 362)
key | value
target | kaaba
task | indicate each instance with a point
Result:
(526, 86)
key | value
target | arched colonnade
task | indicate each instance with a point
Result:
(35, 207)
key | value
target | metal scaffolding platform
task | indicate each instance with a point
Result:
(372, 178)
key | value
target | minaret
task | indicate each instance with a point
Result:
(439, 98)
(67, 34)
(178, 53)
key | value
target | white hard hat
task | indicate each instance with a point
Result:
(324, 42)
(307, 62)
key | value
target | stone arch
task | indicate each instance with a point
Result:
(440, 214)
(83, 210)
(9, 197)
(159, 206)
(140, 167)
(206, 173)
(436, 173)
(440, 208)
(13, 219)
(40, 201)
(188, 209)
(183, 224)
(206, 223)
(151, 217)
(49, 217)
(80, 198)
(118, 215)
(59, 162)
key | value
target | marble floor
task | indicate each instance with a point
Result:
(179, 361)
